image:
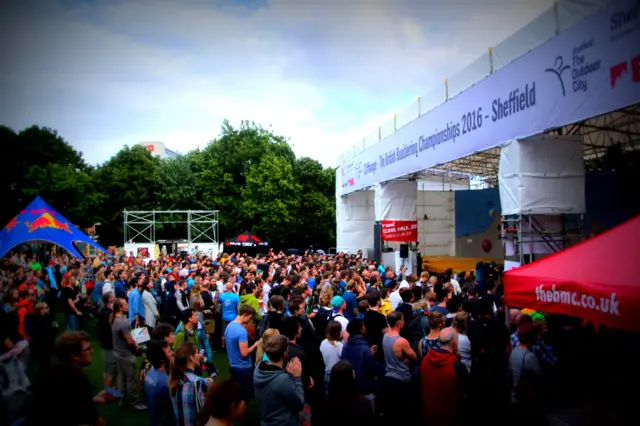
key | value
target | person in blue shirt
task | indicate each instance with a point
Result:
(351, 301)
(239, 351)
(52, 277)
(136, 307)
(229, 300)
(120, 286)
(156, 384)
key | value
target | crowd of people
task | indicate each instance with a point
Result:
(314, 339)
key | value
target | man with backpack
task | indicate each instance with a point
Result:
(339, 305)
(191, 331)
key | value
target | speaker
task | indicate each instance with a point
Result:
(404, 251)
(377, 242)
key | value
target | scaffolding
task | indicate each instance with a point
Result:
(521, 233)
(140, 226)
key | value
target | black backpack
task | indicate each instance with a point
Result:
(264, 324)
(320, 321)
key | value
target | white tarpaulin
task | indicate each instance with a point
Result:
(396, 200)
(355, 221)
(542, 175)
(586, 71)
(396, 208)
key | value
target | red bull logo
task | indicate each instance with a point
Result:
(46, 220)
(12, 224)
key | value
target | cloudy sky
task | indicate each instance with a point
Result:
(106, 73)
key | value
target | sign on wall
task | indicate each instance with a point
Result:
(589, 70)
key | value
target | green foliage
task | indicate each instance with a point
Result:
(37, 161)
(250, 174)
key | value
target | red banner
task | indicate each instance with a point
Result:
(403, 231)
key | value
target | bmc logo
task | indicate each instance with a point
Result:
(617, 71)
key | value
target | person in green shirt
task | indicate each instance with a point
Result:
(249, 298)
(34, 265)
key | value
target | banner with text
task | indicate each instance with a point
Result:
(590, 69)
(401, 231)
(396, 207)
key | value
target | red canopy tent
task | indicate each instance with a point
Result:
(598, 280)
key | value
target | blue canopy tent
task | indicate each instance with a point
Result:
(40, 222)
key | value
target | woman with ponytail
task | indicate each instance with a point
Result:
(186, 388)
(432, 340)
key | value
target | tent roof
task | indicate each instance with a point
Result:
(246, 237)
(596, 279)
(40, 222)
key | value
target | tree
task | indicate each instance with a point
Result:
(178, 180)
(130, 180)
(37, 161)
(249, 173)
(226, 164)
(270, 199)
(317, 209)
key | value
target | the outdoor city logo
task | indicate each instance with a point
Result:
(559, 69)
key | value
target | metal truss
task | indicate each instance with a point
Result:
(620, 127)
(140, 226)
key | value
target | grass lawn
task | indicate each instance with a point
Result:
(117, 417)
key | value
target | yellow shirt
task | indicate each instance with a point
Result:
(385, 307)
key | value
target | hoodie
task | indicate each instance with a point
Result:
(280, 396)
(444, 382)
(251, 300)
(358, 353)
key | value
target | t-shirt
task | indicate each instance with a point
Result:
(235, 334)
(352, 304)
(375, 322)
(520, 360)
(156, 392)
(331, 353)
(67, 293)
(119, 329)
(229, 302)
(342, 320)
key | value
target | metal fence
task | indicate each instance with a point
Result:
(561, 16)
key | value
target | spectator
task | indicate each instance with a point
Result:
(124, 351)
(331, 348)
(344, 405)
(280, 393)
(224, 404)
(239, 351)
(185, 387)
(445, 382)
(156, 384)
(63, 395)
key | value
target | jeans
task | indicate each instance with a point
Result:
(73, 322)
(127, 380)
(244, 377)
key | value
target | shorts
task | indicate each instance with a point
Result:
(109, 365)
(224, 325)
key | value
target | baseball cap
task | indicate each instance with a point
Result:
(337, 301)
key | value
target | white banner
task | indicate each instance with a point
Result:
(589, 70)
(396, 200)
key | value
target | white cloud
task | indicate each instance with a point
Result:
(321, 73)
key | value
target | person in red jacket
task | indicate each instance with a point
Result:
(444, 381)
(26, 306)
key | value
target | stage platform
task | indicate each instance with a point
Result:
(439, 264)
